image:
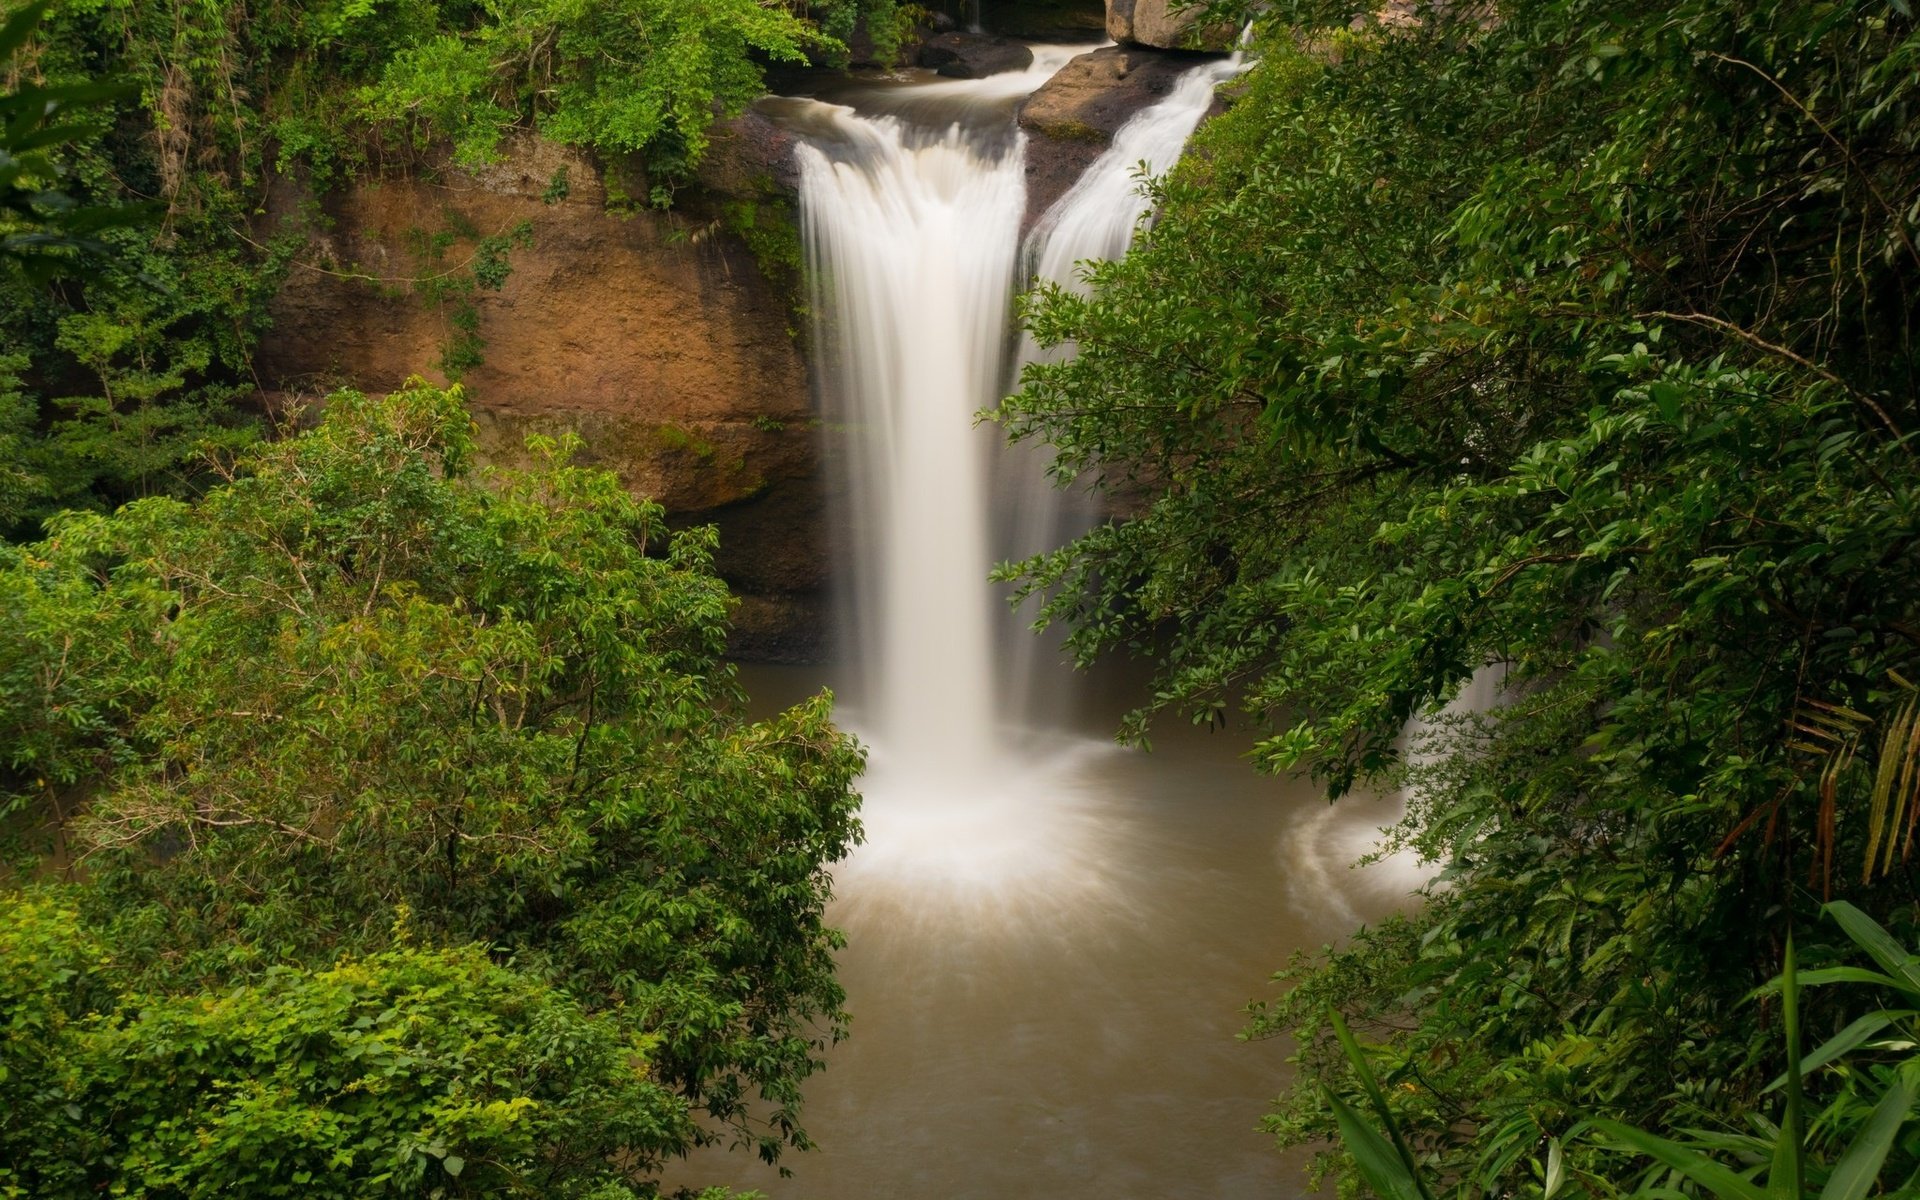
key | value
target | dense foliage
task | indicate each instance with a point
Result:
(112, 378)
(1572, 344)
(407, 1073)
(419, 832)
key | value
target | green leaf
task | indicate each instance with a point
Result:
(1379, 1162)
(1691, 1163)
(1878, 943)
(1853, 1176)
(1855, 1034)
(1842, 975)
(19, 27)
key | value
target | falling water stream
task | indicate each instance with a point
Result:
(1050, 939)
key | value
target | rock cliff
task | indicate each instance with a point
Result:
(659, 338)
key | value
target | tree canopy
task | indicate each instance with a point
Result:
(442, 772)
(1572, 344)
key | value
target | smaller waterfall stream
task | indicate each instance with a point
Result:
(1095, 220)
(1098, 216)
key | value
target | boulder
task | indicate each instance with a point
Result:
(962, 55)
(1167, 24)
(1072, 118)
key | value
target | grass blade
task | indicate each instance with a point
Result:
(1786, 1179)
(1691, 1163)
(1853, 1176)
(1378, 1099)
(1382, 1166)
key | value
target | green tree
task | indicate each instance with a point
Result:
(357, 695)
(407, 1073)
(1575, 343)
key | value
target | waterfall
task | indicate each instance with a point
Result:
(1011, 884)
(1096, 219)
(911, 220)
(912, 240)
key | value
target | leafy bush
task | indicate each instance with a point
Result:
(410, 1072)
(1573, 343)
(356, 699)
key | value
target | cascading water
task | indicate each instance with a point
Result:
(912, 237)
(1095, 220)
(1049, 940)
(912, 234)
(1098, 216)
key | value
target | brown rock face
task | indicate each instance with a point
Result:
(657, 338)
(1156, 23)
(1074, 115)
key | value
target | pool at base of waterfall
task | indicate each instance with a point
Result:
(1047, 969)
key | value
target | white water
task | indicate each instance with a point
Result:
(1097, 218)
(912, 231)
(912, 241)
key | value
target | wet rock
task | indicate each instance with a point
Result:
(1072, 118)
(780, 628)
(749, 155)
(960, 55)
(1157, 23)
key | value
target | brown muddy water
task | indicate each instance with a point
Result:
(1047, 983)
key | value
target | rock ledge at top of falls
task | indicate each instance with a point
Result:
(657, 337)
(1155, 23)
(1072, 118)
(962, 55)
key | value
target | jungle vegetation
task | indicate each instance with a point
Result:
(1564, 343)
(372, 824)
(415, 842)
(113, 377)
(1570, 345)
